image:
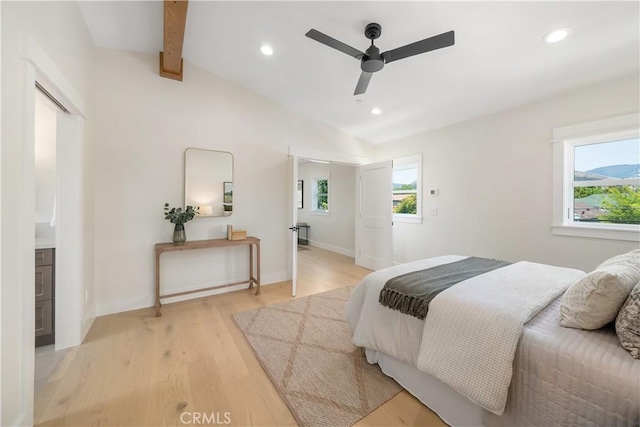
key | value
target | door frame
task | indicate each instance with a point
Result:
(69, 202)
(39, 67)
(298, 153)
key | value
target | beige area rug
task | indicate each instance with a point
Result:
(305, 347)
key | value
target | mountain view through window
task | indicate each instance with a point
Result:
(606, 182)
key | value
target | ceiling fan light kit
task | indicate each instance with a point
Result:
(372, 60)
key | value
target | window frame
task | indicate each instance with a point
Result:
(565, 140)
(313, 210)
(403, 163)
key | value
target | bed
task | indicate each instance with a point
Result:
(557, 376)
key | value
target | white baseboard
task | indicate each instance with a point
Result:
(342, 251)
(123, 304)
(86, 325)
(145, 301)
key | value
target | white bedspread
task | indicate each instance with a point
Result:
(378, 327)
(401, 336)
(472, 330)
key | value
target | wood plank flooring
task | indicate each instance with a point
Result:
(138, 370)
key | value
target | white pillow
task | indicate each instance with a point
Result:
(631, 258)
(595, 299)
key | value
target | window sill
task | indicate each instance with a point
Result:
(597, 232)
(407, 219)
(321, 213)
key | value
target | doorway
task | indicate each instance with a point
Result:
(326, 218)
(327, 211)
(320, 173)
(45, 133)
(72, 318)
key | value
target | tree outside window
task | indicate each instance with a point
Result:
(406, 190)
(320, 195)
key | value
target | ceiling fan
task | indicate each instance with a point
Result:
(372, 60)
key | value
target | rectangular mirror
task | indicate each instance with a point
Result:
(208, 181)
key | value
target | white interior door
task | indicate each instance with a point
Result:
(374, 219)
(294, 223)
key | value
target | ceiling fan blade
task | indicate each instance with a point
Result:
(432, 43)
(336, 44)
(363, 82)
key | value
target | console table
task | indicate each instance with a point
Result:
(206, 244)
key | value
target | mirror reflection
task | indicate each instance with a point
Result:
(208, 181)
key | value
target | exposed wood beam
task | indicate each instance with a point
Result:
(175, 19)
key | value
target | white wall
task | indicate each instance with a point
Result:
(59, 29)
(495, 180)
(143, 125)
(336, 231)
(45, 153)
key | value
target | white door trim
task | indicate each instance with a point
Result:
(52, 79)
(309, 153)
(39, 67)
(69, 261)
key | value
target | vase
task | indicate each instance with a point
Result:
(179, 236)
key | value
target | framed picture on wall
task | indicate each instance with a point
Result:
(300, 194)
(228, 192)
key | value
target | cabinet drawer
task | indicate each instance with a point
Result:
(44, 318)
(44, 282)
(44, 257)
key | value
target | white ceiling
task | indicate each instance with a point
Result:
(498, 61)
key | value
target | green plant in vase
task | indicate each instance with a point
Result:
(178, 217)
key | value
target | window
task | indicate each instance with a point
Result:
(605, 182)
(407, 189)
(597, 179)
(320, 195)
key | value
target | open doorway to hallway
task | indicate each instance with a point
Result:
(328, 209)
(326, 212)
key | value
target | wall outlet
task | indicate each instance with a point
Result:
(234, 268)
(434, 211)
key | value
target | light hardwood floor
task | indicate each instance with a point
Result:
(138, 370)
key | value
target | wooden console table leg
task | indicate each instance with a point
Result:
(158, 314)
(258, 267)
(250, 266)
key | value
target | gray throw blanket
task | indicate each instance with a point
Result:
(411, 293)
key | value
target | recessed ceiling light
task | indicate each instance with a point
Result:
(376, 111)
(557, 35)
(266, 49)
(324, 162)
